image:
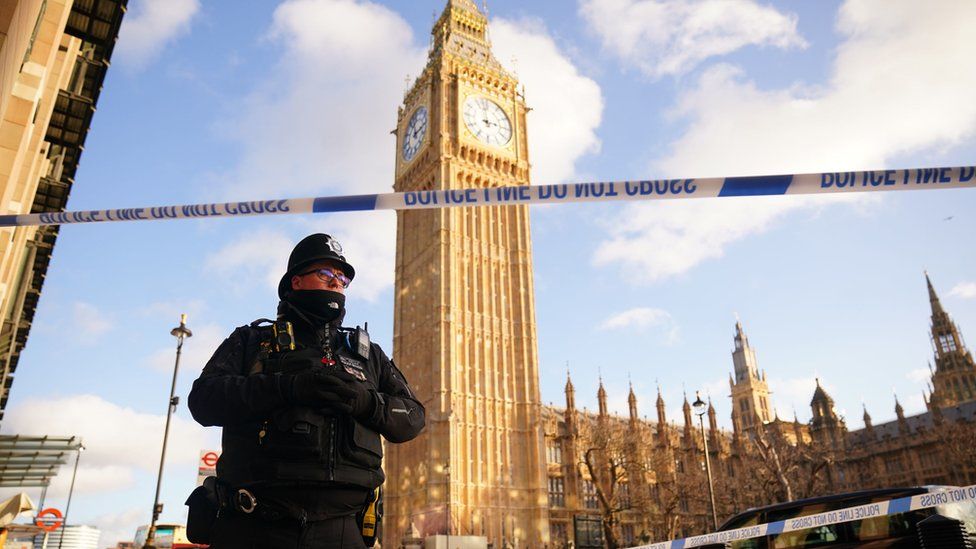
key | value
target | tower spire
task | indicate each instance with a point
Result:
(601, 396)
(632, 403)
(570, 391)
(686, 410)
(933, 297)
(750, 392)
(954, 366)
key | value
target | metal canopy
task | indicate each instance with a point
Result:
(31, 462)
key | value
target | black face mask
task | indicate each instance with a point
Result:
(321, 306)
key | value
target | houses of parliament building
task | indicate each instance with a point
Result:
(494, 461)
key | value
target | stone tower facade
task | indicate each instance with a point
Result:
(826, 427)
(464, 319)
(954, 378)
(750, 393)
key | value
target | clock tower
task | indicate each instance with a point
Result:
(464, 317)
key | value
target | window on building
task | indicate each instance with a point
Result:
(623, 495)
(590, 500)
(557, 492)
(627, 535)
(947, 342)
(554, 452)
(893, 464)
(558, 532)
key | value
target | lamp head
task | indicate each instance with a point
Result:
(699, 405)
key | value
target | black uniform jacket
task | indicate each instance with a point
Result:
(233, 392)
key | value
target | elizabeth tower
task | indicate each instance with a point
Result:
(464, 318)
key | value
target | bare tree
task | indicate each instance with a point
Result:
(610, 457)
(788, 470)
(957, 440)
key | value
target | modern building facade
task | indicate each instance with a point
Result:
(74, 537)
(53, 58)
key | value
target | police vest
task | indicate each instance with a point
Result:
(302, 444)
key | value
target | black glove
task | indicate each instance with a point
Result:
(315, 388)
(361, 402)
(294, 361)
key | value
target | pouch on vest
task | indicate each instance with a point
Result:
(360, 445)
(294, 433)
(204, 506)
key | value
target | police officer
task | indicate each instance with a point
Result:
(302, 413)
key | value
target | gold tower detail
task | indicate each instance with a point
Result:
(464, 318)
(750, 393)
(954, 378)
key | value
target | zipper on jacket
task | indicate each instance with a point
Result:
(332, 450)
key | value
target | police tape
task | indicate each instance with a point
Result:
(657, 189)
(848, 514)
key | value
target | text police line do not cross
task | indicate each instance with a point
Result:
(639, 190)
(946, 496)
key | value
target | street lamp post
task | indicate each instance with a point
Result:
(180, 332)
(700, 409)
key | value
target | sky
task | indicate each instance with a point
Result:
(224, 100)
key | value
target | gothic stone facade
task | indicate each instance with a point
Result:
(660, 490)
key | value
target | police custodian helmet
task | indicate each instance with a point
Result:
(312, 248)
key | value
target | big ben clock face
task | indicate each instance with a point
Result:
(487, 121)
(414, 136)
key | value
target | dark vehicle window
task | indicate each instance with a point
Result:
(815, 536)
(755, 543)
(887, 527)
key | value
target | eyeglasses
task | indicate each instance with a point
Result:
(328, 275)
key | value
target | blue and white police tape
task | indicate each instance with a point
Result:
(658, 189)
(848, 514)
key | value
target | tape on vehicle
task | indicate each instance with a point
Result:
(602, 191)
(848, 514)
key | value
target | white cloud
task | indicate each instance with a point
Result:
(919, 375)
(859, 120)
(368, 241)
(259, 254)
(88, 322)
(663, 37)
(327, 130)
(150, 25)
(119, 441)
(964, 290)
(321, 122)
(567, 107)
(369, 244)
(795, 394)
(120, 526)
(651, 241)
(641, 319)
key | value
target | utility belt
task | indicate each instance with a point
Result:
(216, 498)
